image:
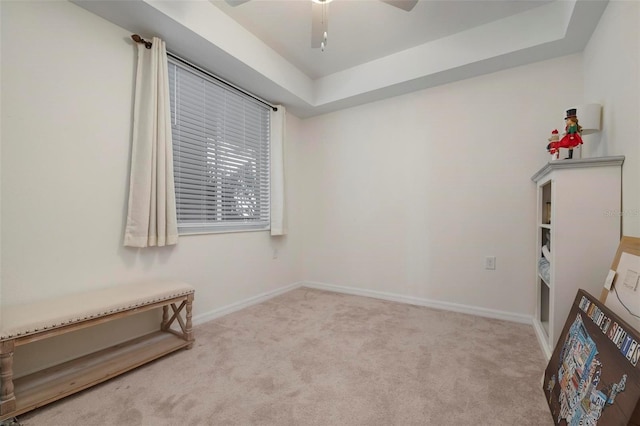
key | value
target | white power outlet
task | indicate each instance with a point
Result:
(490, 262)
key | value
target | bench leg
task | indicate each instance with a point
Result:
(7, 397)
(186, 326)
(188, 332)
(164, 326)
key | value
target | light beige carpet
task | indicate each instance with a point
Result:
(312, 357)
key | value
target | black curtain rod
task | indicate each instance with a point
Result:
(148, 45)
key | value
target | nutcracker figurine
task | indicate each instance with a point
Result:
(571, 138)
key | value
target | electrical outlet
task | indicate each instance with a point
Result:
(490, 262)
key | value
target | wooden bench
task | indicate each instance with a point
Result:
(23, 324)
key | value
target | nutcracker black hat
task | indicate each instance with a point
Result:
(571, 113)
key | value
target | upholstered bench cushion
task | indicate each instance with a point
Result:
(21, 320)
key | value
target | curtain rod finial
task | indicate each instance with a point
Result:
(139, 39)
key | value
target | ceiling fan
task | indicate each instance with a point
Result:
(319, 15)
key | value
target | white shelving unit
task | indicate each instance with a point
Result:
(579, 215)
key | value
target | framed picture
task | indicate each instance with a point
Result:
(593, 376)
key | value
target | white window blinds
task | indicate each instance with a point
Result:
(220, 154)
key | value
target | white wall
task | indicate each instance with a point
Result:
(408, 195)
(612, 78)
(67, 88)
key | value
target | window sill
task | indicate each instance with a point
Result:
(188, 233)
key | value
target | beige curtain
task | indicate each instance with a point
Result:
(278, 224)
(151, 218)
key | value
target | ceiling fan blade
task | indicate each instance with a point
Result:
(319, 23)
(402, 4)
(234, 3)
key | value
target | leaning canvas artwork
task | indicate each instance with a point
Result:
(593, 375)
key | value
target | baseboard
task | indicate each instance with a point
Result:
(224, 310)
(447, 306)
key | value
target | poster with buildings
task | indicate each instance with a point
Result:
(593, 376)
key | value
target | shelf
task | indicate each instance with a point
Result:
(542, 333)
(51, 384)
(569, 223)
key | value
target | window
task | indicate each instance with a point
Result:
(220, 154)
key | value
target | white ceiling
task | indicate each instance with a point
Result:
(375, 51)
(362, 30)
